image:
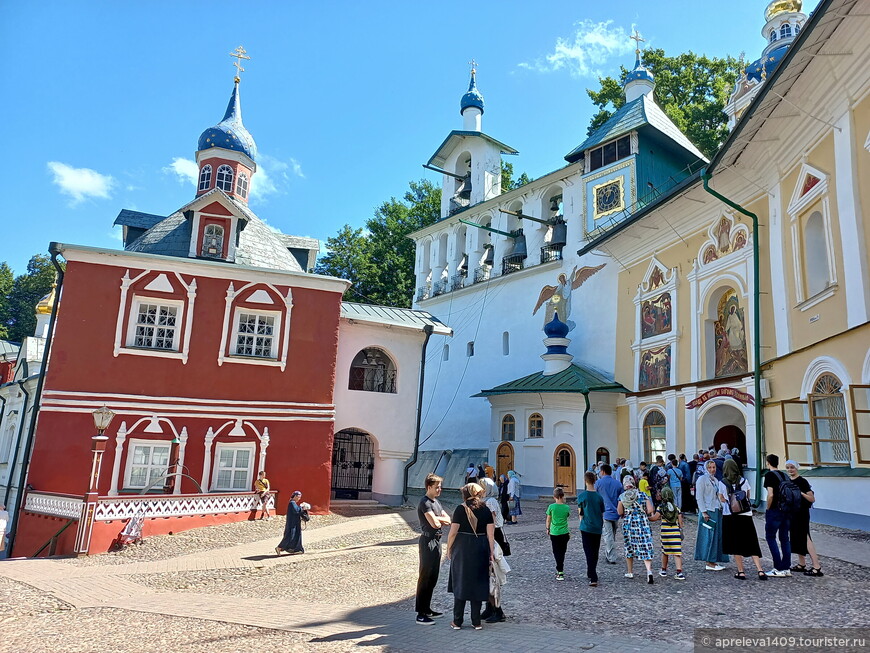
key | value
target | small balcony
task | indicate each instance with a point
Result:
(551, 253)
(424, 292)
(458, 280)
(440, 287)
(482, 273)
(511, 264)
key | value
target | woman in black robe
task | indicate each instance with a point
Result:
(470, 546)
(504, 498)
(292, 542)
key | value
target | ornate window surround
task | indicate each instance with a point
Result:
(139, 300)
(282, 326)
(128, 468)
(154, 427)
(645, 291)
(251, 447)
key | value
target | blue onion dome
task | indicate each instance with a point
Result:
(472, 98)
(639, 72)
(767, 63)
(555, 328)
(230, 133)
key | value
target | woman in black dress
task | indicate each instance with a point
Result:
(504, 498)
(739, 537)
(470, 547)
(799, 526)
(292, 542)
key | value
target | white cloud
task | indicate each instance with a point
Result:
(186, 170)
(591, 45)
(80, 183)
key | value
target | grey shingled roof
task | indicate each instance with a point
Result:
(389, 315)
(638, 113)
(299, 242)
(259, 246)
(137, 219)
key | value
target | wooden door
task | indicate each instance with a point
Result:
(504, 458)
(565, 469)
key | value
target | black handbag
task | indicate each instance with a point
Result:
(505, 546)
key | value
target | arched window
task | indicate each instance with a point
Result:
(828, 418)
(213, 241)
(242, 185)
(372, 370)
(445, 353)
(505, 344)
(205, 177)
(469, 349)
(602, 455)
(225, 178)
(654, 435)
(785, 31)
(816, 252)
(564, 458)
(536, 426)
(797, 29)
(772, 35)
(508, 428)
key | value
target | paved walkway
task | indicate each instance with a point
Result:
(103, 586)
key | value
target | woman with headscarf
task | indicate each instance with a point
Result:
(515, 491)
(504, 498)
(799, 528)
(493, 612)
(739, 537)
(708, 545)
(636, 509)
(296, 512)
(470, 549)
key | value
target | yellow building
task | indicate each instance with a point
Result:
(694, 324)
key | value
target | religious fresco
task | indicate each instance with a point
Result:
(730, 336)
(655, 316)
(725, 239)
(655, 368)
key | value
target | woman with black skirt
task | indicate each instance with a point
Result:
(739, 537)
(504, 498)
(470, 547)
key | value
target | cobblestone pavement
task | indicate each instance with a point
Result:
(355, 584)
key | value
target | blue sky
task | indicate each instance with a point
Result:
(105, 100)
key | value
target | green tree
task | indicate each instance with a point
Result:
(507, 177)
(18, 309)
(379, 260)
(6, 282)
(691, 89)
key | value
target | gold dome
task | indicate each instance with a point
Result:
(46, 303)
(778, 7)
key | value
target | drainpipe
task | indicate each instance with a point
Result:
(585, 434)
(756, 334)
(427, 329)
(53, 249)
(14, 457)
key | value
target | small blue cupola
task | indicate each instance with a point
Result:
(639, 81)
(472, 97)
(230, 133)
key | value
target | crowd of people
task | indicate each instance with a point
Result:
(712, 484)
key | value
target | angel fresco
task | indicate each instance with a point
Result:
(558, 298)
(730, 337)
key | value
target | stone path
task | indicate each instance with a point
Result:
(109, 587)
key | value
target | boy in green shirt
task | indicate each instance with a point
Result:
(557, 527)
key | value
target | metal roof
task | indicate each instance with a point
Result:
(458, 135)
(638, 113)
(391, 316)
(137, 219)
(576, 378)
(9, 349)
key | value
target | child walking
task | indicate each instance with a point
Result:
(671, 533)
(590, 505)
(557, 527)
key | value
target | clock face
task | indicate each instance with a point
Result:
(607, 197)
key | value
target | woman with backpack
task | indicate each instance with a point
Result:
(708, 545)
(739, 537)
(799, 526)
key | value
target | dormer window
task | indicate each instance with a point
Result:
(205, 177)
(242, 186)
(213, 241)
(609, 153)
(772, 35)
(225, 178)
(785, 31)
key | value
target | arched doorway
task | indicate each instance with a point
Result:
(732, 436)
(504, 458)
(602, 455)
(724, 423)
(353, 464)
(565, 468)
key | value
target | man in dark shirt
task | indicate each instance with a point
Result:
(609, 489)
(776, 522)
(432, 517)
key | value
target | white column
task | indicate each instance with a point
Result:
(671, 421)
(778, 274)
(388, 476)
(264, 444)
(206, 461)
(635, 433)
(120, 438)
(690, 426)
(182, 447)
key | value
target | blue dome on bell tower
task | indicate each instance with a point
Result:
(472, 97)
(230, 133)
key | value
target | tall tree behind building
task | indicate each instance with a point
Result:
(691, 89)
(19, 297)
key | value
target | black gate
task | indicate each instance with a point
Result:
(353, 464)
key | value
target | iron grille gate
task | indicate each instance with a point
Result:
(353, 464)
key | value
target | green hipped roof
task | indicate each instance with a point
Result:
(576, 378)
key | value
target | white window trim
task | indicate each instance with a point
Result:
(229, 328)
(202, 177)
(276, 333)
(137, 301)
(128, 468)
(215, 470)
(798, 240)
(232, 178)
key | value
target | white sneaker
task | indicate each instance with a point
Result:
(663, 573)
(628, 575)
(786, 573)
(714, 568)
(776, 573)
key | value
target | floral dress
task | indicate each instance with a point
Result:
(636, 533)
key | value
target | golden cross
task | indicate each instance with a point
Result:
(239, 53)
(473, 65)
(637, 40)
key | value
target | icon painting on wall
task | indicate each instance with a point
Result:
(655, 368)
(730, 335)
(655, 316)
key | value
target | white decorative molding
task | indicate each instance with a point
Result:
(53, 505)
(822, 365)
(798, 201)
(120, 439)
(726, 236)
(260, 297)
(182, 447)
(206, 460)
(160, 283)
(657, 280)
(148, 507)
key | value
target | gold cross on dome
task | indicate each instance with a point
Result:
(473, 65)
(637, 40)
(239, 53)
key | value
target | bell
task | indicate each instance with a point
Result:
(465, 189)
(519, 249)
(554, 205)
(489, 257)
(560, 234)
(463, 264)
